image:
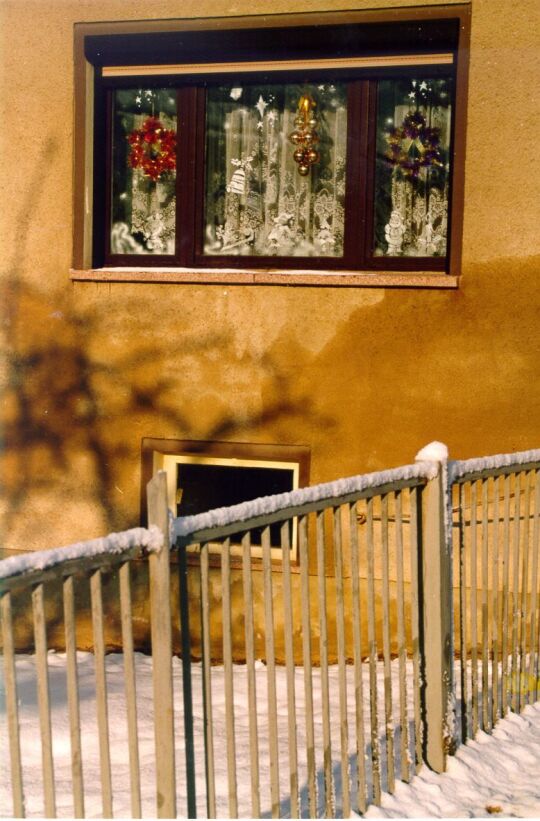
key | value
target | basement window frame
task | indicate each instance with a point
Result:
(168, 454)
(96, 73)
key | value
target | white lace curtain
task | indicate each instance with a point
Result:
(257, 203)
(417, 224)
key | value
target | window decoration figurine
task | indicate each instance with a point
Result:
(393, 232)
(305, 136)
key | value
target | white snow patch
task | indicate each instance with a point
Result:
(491, 775)
(151, 539)
(186, 525)
(461, 468)
(434, 452)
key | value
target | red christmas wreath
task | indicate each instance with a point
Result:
(153, 149)
(414, 145)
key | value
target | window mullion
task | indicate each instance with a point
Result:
(356, 175)
(370, 117)
(199, 173)
(187, 164)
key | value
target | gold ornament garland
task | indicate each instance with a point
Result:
(305, 136)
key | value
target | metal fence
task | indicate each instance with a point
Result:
(113, 557)
(319, 622)
(338, 534)
(496, 554)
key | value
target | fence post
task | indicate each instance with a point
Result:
(161, 632)
(438, 644)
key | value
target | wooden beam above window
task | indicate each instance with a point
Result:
(280, 65)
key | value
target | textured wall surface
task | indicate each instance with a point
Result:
(363, 376)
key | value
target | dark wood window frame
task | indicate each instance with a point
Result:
(358, 265)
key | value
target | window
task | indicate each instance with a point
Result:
(202, 476)
(318, 147)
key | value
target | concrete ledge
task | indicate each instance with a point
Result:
(270, 276)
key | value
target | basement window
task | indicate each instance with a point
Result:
(205, 476)
(330, 148)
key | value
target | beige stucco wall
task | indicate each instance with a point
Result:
(363, 376)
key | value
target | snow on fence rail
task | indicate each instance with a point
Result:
(344, 591)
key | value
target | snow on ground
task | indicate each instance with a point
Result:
(499, 771)
(494, 775)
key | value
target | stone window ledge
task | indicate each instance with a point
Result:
(270, 276)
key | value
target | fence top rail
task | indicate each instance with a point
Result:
(224, 521)
(502, 463)
(28, 566)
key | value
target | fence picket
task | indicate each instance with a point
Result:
(228, 670)
(415, 625)
(484, 611)
(208, 720)
(101, 693)
(126, 616)
(495, 628)
(505, 605)
(474, 611)
(40, 638)
(10, 683)
(372, 641)
(515, 592)
(323, 653)
(463, 614)
(270, 673)
(73, 697)
(250, 671)
(342, 672)
(361, 796)
(535, 597)
(289, 662)
(308, 670)
(387, 664)
(522, 683)
(402, 649)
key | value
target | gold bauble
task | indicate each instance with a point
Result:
(299, 154)
(303, 170)
(296, 137)
(312, 155)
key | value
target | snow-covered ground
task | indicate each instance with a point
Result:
(497, 774)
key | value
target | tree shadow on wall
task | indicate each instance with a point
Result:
(72, 406)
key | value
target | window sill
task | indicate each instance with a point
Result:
(269, 276)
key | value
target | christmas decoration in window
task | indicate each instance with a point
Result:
(143, 207)
(257, 204)
(412, 167)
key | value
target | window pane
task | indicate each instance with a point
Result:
(257, 202)
(412, 168)
(143, 172)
